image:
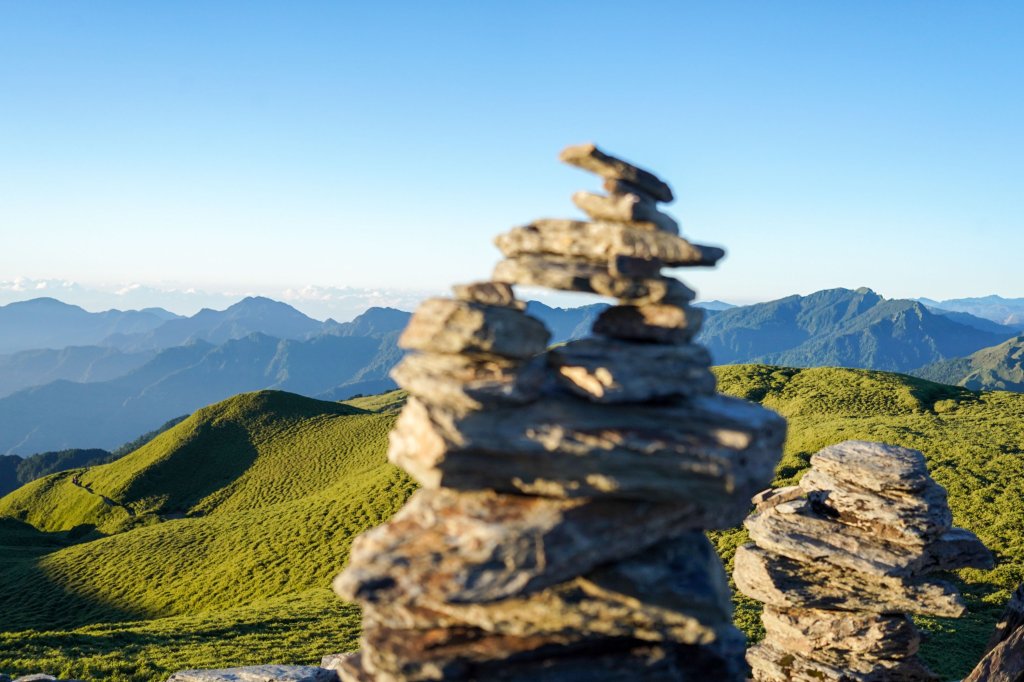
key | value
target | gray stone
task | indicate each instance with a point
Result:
(793, 529)
(470, 382)
(258, 673)
(612, 371)
(442, 325)
(590, 158)
(713, 452)
(654, 323)
(600, 241)
(874, 466)
(786, 584)
(488, 293)
(675, 591)
(905, 518)
(840, 638)
(476, 547)
(1002, 663)
(566, 274)
(632, 209)
(773, 665)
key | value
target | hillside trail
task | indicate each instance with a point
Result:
(77, 480)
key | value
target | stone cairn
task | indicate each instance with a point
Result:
(558, 533)
(841, 560)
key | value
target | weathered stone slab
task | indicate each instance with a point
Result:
(874, 466)
(840, 638)
(906, 518)
(676, 591)
(464, 382)
(590, 158)
(786, 584)
(712, 452)
(489, 293)
(794, 530)
(475, 547)
(258, 673)
(1002, 663)
(625, 208)
(466, 655)
(654, 323)
(442, 325)
(600, 241)
(773, 665)
(611, 371)
(566, 274)
(350, 669)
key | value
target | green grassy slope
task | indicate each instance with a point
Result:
(242, 578)
(998, 368)
(214, 544)
(974, 443)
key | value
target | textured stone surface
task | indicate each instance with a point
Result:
(597, 242)
(655, 323)
(611, 371)
(874, 466)
(442, 325)
(773, 665)
(627, 208)
(590, 158)
(906, 518)
(565, 274)
(793, 529)
(469, 382)
(785, 583)
(840, 637)
(488, 293)
(1003, 663)
(483, 546)
(711, 451)
(258, 673)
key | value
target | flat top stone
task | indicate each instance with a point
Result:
(257, 673)
(590, 158)
(874, 466)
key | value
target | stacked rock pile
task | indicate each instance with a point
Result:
(841, 559)
(558, 531)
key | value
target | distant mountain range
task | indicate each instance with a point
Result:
(142, 368)
(996, 308)
(998, 368)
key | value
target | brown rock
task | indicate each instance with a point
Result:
(871, 466)
(840, 638)
(654, 323)
(612, 371)
(1003, 663)
(442, 325)
(470, 382)
(488, 293)
(794, 530)
(598, 242)
(590, 158)
(785, 584)
(565, 274)
(676, 591)
(713, 452)
(906, 518)
(773, 665)
(625, 208)
(475, 547)
(770, 497)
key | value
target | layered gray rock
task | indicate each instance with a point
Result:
(841, 558)
(258, 673)
(559, 531)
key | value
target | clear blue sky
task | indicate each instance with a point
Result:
(259, 145)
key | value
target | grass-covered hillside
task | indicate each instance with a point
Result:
(214, 544)
(221, 535)
(974, 443)
(998, 368)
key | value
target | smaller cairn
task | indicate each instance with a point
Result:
(841, 559)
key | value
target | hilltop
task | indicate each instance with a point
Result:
(234, 520)
(241, 515)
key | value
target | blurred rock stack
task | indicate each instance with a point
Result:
(558, 534)
(840, 560)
